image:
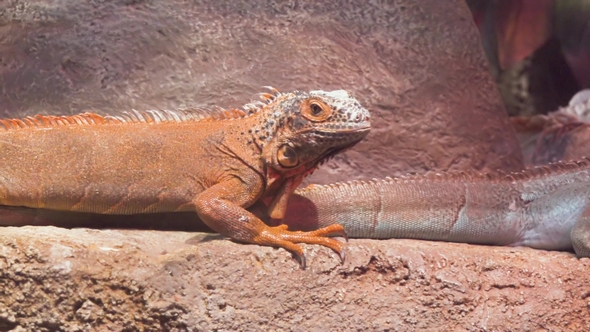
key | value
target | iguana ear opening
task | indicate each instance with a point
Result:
(287, 156)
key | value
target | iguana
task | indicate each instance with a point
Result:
(216, 165)
(543, 207)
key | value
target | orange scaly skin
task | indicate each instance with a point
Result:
(168, 161)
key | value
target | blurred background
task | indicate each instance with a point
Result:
(539, 50)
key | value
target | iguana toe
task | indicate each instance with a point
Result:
(280, 236)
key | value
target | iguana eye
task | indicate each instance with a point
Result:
(315, 110)
(287, 156)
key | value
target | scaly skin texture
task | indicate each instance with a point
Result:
(544, 207)
(165, 161)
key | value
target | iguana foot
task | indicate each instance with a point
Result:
(280, 236)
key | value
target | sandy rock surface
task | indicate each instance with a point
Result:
(54, 279)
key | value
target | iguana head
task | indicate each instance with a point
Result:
(298, 131)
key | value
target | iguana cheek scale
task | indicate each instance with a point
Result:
(165, 161)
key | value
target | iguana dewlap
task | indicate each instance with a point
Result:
(166, 161)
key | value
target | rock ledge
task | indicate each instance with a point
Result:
(122, 280)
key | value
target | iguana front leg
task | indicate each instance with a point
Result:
(222, 208)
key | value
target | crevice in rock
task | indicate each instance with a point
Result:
(6, 324)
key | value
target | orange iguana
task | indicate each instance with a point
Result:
(167, 161)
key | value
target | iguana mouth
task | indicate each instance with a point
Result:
(337, 131)
(360, 130)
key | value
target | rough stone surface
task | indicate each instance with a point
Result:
(121, 280)
(417, 65)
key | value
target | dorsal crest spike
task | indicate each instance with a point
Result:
(132, 116)
(267, 97)
(273, 90)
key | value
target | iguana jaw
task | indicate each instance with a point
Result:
(297, 135)
(277, 207)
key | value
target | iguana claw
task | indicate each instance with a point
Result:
(280, 236)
